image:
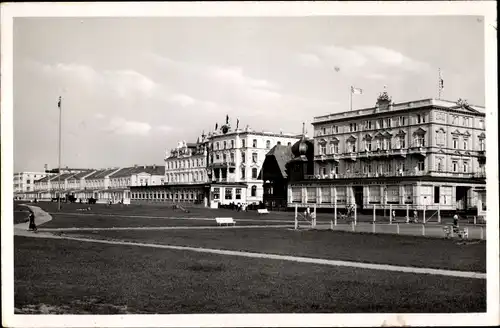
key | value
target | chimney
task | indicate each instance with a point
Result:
(144, 166)
(135, 166)
(154, 166)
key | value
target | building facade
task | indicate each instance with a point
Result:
(235, 162)
(24, 182)
(426, 153)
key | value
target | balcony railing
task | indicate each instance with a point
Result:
(408, 173)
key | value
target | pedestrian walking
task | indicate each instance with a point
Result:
(415, 216)
(394, 215)
(32, 225)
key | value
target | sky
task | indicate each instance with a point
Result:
(133, 87)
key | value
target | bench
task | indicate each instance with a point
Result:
(461, 233)
(226, 221)
(262, 211)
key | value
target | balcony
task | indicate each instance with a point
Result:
(327, 157)
(217, 165)
(418, 150)
(398, 152)
(352, 156)
(481, 156)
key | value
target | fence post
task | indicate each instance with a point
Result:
(355, 214)
(407, 213)
(475, 220)
(353, 226)
(423, 220)
(390, 213)
(314, 219)
(439, 212)
(335, 209)
(374, 213)
(296, 220)
(373, 227)
(397, 228)
(331, 225)
(423, 229)
(482, 233)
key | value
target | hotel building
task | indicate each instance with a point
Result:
(235, 162)
(427, 153)
(25, 182)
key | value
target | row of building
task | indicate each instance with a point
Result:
(425, 153)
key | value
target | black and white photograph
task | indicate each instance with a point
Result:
(249, 164)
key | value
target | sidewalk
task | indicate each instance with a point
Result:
(41, 217)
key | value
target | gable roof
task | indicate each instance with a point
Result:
(123, 172)
(282, 154)
(81, 175)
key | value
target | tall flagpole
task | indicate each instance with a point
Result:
(59, 171)
(350, 98)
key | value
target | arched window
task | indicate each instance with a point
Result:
(253, 192)
(254, 173)
(254, 143)
(268, 144)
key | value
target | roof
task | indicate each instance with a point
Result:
(282, 154)
(100, 174)
(81, 175)
(153, 169)
(123, 172)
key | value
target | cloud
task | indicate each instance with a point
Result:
(359, 59)
(122, 126)
(122, 83)
(164, 128)
(235, 76)
(182, 100)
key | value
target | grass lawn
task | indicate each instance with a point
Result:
(384, 249)
(62, 276)
(20, 214)
(106, 221)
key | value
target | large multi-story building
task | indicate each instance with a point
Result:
(235, 162)
(427, 153)
(25, 182)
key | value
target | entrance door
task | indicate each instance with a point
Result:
(461, 198)
(358, 196)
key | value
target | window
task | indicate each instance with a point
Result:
(455, 166)
(419, 118)
(278, 143)
(369, 168)
(232, 157)
(353, 127)
(224, 145)
(336, 129)
(454, 119)
(268, 144)
(243, 173)
(369, 145)
(243, 157)
(217, 156)
(254, 157)
(322, 149)
(466, 121)
(232, 143)
(336, 148)
(440, 164)
(466, 167)
(335, 169)
(254, 143)
(369, 125)
(254, 173)
(481, 124)
(482, 145)
(388, 122)
(466, 143)
(253, 191)
(311, 194)
(289, 143)
(420, 141)
(243, 143)
(323, 130)
(421, 166)
(401, 121)
(455, 143)
(217, 146)
(216, 193)
(238, 193)
(380, 123)
(323, 170)
(228, 193)
(440, 138)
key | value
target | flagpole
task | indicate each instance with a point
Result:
(350, 98)
(59, 171)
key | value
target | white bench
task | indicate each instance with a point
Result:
(262, 211)
(461, 233)
(126, 201)
(226, 221)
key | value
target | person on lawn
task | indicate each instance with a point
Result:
(455, 223)
(32, 225)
